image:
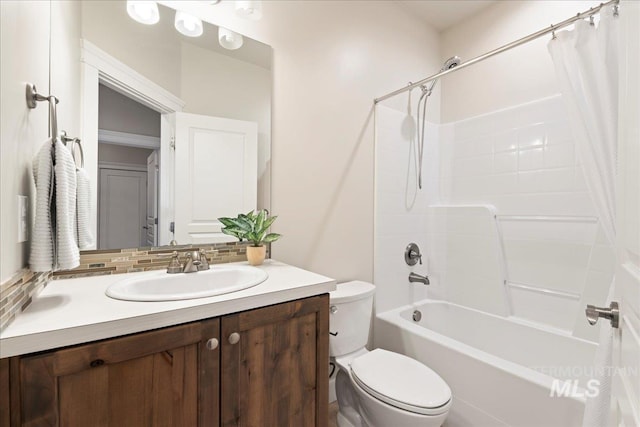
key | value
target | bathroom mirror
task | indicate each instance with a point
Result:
(175, 129)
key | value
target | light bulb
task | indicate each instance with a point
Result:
(250, 9)
(188, 24)
(143, 11)
(228, 39)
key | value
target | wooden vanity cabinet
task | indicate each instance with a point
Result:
(165, 377)
(276, 373)
(268, 368)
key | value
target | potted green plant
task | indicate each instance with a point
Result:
(252, 227)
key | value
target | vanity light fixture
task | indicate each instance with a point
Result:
(228, 39)
(188, 24)
(143, 11)
(249, 9)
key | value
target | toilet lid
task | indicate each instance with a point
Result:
(402, 382)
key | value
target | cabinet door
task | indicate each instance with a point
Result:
(276, 374)
(157, 378)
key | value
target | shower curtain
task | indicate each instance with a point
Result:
(586, 65)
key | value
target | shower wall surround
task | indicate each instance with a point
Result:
(400, 208)
(521, 161)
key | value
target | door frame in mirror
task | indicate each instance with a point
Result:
(98, 67)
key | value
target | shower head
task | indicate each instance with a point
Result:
(452, 62)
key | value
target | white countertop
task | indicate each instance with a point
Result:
(74, 311)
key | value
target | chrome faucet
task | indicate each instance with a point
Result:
(416, 278)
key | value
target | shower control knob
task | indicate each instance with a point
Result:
(412, 254)
(234, 338)
(333, 309)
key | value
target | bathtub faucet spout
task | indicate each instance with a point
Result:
(416, 278)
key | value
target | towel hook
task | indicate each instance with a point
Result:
(33, 97)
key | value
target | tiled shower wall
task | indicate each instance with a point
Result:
(521, 164)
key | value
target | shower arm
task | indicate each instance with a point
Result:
(592, 11)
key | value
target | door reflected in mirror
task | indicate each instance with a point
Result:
(176, 130)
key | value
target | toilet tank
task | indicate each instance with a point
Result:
(350, 318)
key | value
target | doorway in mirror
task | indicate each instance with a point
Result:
(128, 172)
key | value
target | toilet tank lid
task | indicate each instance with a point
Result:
(351, 291)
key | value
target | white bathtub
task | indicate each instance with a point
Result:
(499, 369)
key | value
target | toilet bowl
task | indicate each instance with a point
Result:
(378, 388)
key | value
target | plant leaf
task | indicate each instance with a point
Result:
(237, 233)
(227, 222)
(269, 221)
(244, 223)
(260, 220)
(271, 237)
(253, 238)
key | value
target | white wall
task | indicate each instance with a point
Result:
(54, 67)
(330, 60)
(122, 114)
(511, 78)
(24, 57)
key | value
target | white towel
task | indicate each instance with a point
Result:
(68, 254)
(83, 230)
(42, 254)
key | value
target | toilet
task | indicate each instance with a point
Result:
(378, 388)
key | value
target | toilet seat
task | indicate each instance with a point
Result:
(402, 382)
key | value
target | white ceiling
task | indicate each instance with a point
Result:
(442, 14)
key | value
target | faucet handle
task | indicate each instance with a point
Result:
(174, 266)
(204, 261)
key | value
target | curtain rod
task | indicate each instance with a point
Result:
(592, 11)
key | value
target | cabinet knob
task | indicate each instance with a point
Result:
(212, 344)
(234, 338)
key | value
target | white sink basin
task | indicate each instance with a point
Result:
(160, 286)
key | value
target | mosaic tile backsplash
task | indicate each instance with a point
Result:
(16, 293)
(116, 261)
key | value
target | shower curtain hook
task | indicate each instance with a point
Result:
(591, 21)
(553, 33)
(616, 10)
